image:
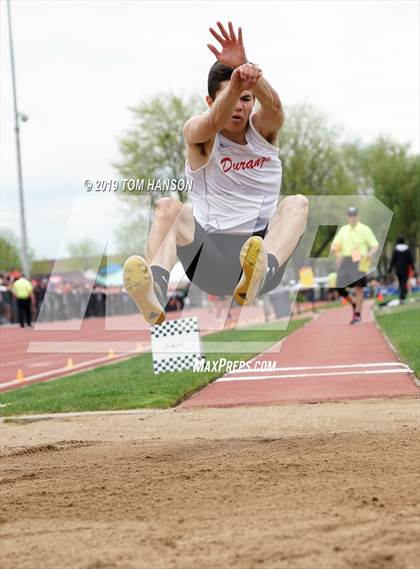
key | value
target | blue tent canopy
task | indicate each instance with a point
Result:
(111, 279)
(111, 268)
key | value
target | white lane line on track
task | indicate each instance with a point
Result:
(303, 368)
(320, 374)
(87, 347)
(62, 370)
(18, 362)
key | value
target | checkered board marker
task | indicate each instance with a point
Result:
(175, 345)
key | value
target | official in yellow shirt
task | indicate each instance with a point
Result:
(22, 290)
(354, 246)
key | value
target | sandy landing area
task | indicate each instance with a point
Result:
(325, 486)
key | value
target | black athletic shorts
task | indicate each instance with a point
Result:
(349, 274)
(211, 261)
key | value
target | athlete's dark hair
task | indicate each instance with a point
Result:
(217, 74)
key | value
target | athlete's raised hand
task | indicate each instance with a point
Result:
(246, 76)
(233, 51)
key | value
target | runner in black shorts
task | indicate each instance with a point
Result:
(354, 245)
(349, 275)
(237, 238)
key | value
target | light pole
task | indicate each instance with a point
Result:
(18, 116)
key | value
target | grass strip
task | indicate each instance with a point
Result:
(410, 298)
(131, 384)
(401, 325)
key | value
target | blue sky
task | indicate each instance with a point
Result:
(81, 64)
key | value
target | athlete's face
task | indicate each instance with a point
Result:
(242, 111)
(353, 219)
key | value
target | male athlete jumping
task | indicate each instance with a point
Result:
(236, 239)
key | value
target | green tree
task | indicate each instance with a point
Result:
(153, 148)
(395, 178)
(315, 162)
(82, 252)
(9, 252)
(392, 174)
(313, 158)
(131, 235)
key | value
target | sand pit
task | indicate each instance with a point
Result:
(328, 486)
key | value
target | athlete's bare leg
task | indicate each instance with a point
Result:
(286, 227)
(358, 294)
(173, 225)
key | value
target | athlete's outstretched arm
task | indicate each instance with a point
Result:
(233, 50)
(269, 118)
(203, 127)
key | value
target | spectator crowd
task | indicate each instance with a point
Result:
(26, 300)
(65, 300)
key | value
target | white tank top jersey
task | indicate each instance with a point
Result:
(237, 190)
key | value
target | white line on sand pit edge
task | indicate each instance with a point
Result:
(338, 366)
(320, 374)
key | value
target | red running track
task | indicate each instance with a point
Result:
(42, 353)
(325, 360)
